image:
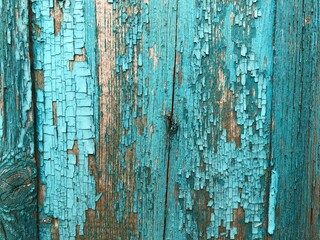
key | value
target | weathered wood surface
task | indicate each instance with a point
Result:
(18, 203)
(136, 47)
(296, 117)
(218, 173)
(189, 85)
(160, 119)
(66, 112)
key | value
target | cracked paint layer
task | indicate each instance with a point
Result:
(217, 182)
(17, 164)
(66, 114)
(184, 116)
(214, 122)
(136, 62)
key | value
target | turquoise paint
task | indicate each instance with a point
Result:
(144, 71)
(205, 165)
(203, 160)
(210, 175)
(1, 123)
(295, 132)
(156, 100)
(67, 134)
(17, 163)
(14, 50)
(272, 202)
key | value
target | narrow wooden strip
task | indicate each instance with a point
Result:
(222, 106)
(64, 65)
(136, 42)
(18, 217)
(296, 114)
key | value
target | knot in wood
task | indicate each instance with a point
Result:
(172, 124)
(15, 187)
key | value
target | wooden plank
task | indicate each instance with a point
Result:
(170, 137)
(218, 176)
(295, 141)
(17, 163)
(67, 116)
(136, 48)
(118, 191)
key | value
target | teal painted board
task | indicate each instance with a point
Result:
(18, 202)
(136, 62)
(296, 116)
(169, 119)
(125, 178)
(66, 111)
(172, 131)
(218, 174)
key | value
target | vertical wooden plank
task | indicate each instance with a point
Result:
(18, 218)
(222, 106)
(136, 42)
(66, 96)
(127, 178)
(295, 141)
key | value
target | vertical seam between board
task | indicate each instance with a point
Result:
(171, 123)
(34, 113)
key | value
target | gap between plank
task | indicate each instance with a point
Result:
(34, 112)
(171, 125)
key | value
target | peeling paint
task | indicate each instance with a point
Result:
(179, 111)
(206, 156)
(214, 122)
(57, 14)
(136, 55)
(66, 115)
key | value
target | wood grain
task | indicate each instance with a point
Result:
(295, 130)
(165, 119)
(136, 49)
(218, 179)
(18, 216)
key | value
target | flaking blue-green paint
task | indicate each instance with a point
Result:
(203, 161)
(144, 69)
(206, 168)
(272, 202)
(67, 134)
